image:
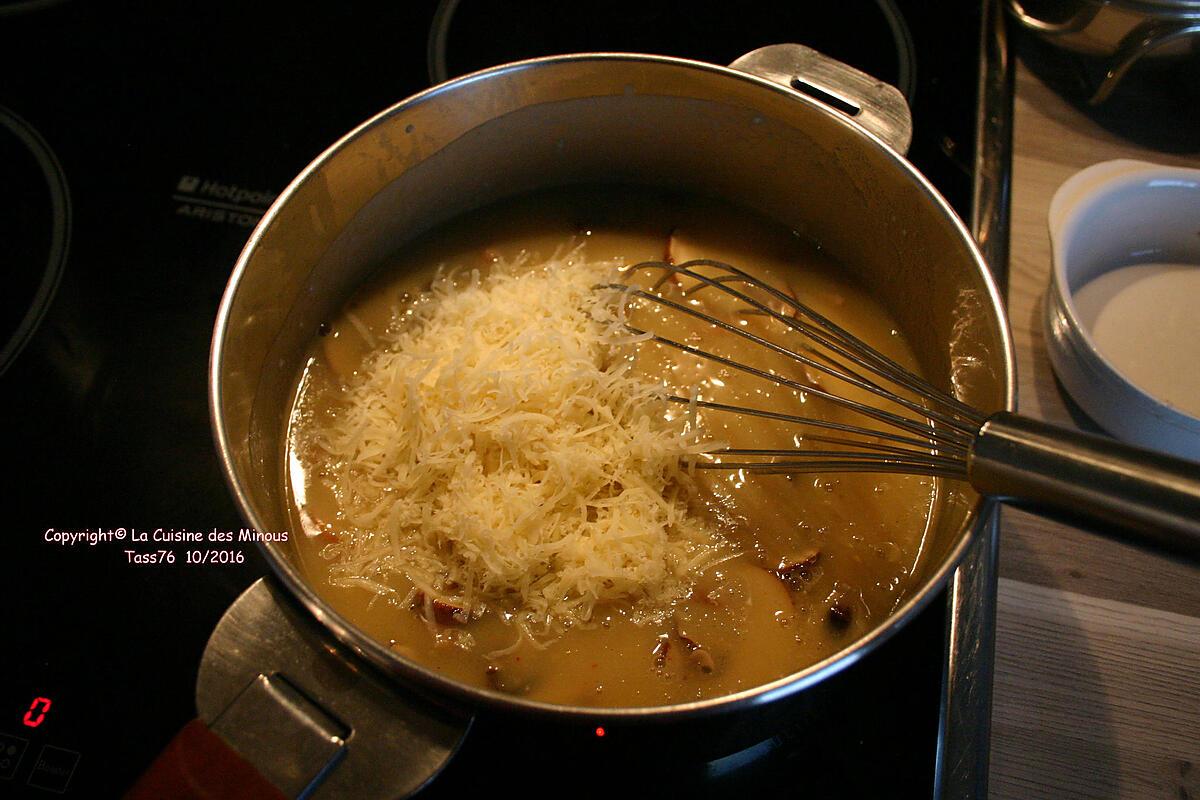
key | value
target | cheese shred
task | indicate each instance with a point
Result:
(498, 452)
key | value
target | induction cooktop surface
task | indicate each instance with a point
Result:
(140, 144)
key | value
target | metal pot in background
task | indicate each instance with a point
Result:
(1119, 32)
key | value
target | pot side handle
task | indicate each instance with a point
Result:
(1120, 491)
(311, 716)
(878, 107)
(199, 765)
(271, 742)
(1150, 35)
(1079, 19)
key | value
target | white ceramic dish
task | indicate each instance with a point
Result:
(1112, 215)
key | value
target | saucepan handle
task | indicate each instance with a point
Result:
(1140, 496)
(1079, 18)
(877, 106)
(199, 765)
(285, 713)
(1143, 39)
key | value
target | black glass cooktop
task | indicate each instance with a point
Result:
(139, 145)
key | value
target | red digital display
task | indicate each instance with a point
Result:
(37, 712)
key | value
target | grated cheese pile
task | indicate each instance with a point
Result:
(499, 453)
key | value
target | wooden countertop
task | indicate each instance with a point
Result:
(1097, 687)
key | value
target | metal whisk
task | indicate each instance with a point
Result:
(913, 427)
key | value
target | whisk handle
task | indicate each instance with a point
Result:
(1123, 491)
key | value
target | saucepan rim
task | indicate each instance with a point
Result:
(426, 680)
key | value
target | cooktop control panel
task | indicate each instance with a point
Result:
(37, 750)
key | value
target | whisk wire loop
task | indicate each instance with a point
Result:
(935, 443)
(825, 332)
(821, 330)
(816, 422)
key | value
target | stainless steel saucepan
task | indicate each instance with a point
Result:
(746, 133)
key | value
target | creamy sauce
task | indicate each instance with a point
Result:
(851, 542)
(1144, 320)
